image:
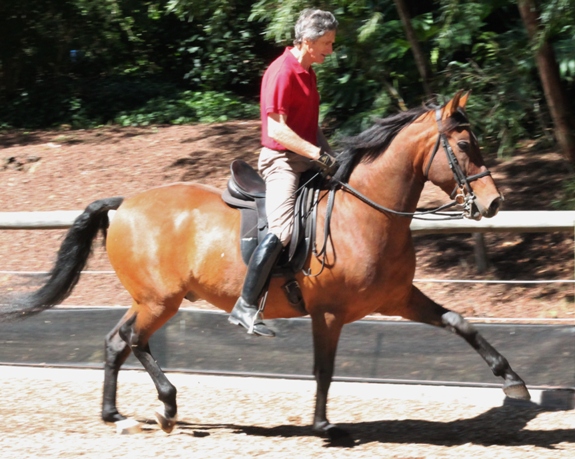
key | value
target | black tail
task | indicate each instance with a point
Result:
(72, 257)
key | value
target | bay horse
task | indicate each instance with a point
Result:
(182, 241)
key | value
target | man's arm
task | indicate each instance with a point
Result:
(282, 133)
(322, 141)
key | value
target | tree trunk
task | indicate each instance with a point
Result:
(563, 121)
(420, 59)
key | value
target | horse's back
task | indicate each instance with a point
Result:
(177, 209)
(175, 239)
(179, 196)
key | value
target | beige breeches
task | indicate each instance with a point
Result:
(281, 171)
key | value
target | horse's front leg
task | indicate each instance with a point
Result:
(513, 386)
(326, 332)
(423, 309)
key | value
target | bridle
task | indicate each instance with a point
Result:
(462, 194)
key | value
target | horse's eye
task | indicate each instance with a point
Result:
(463, 145)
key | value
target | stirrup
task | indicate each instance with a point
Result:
(250, 318)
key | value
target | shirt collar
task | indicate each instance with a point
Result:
(297, 66)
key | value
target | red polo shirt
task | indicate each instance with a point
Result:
(290, 90)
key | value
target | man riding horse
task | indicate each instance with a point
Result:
(292, 143)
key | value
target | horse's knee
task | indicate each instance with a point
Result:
(116, 350)
(456, 323)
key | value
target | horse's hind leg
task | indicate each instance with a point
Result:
(423, 309)
(138, 342)
(117, 351)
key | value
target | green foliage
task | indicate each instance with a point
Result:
(506, 103)
(190, 107)
(124, 100)
(279, 17)
(129, 56)
(178, 61)
(566, 199)
(225, 50)
(559, 19)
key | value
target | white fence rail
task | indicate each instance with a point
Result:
(520, 221)
(505, 221)
(59, 219)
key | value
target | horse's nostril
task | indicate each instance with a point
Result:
(494, 207)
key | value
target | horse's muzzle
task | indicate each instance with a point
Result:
(478, 211)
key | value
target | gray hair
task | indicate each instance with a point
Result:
(313, 24)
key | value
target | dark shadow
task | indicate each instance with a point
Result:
(242, 141)
(541, 177)
(12, 138)
(518, 256)
(504, 426)
(223, 130)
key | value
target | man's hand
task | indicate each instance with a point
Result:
(326, 163)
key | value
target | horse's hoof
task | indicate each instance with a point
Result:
(166, 424)
(330, 431)
(517, 391)
(128, 426)
(113, 416)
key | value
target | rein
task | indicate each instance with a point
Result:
(420, 215)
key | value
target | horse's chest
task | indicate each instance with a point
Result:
(385, 264)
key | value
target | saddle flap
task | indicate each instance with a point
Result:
(246, 180)
(253, 225)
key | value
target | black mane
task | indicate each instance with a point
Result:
(373, 142)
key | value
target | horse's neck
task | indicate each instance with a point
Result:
(392, 180)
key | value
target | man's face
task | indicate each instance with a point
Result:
(319, 49)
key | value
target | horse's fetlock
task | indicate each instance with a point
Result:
(167, 394)
(112, 416)
(500, 366)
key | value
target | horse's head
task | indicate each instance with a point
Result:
(455, 163)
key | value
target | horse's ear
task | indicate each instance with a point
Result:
(452, 106)
(463, 99)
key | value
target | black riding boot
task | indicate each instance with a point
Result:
(246, 312)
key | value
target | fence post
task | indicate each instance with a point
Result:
(480, 252)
